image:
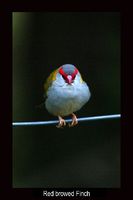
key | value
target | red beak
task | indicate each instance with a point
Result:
(69, 79)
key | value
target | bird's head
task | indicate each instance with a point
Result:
(68, 72)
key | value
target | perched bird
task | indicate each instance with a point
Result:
(65, 93)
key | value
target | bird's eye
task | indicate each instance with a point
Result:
(63, 77)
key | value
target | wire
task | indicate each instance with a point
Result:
(93, 118)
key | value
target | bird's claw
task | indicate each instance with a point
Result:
(74, 121)
(62, 123)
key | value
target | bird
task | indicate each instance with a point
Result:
(65, 93)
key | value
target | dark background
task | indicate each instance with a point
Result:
(84, 156)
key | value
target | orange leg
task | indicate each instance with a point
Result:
(62, 122)
(74, 120)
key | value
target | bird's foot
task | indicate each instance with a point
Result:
(74, 120)
(62, 122)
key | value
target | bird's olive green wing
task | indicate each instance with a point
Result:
(49, 80)
(81, 79)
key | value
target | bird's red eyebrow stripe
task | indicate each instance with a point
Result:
(74, 73)
(63, 73)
